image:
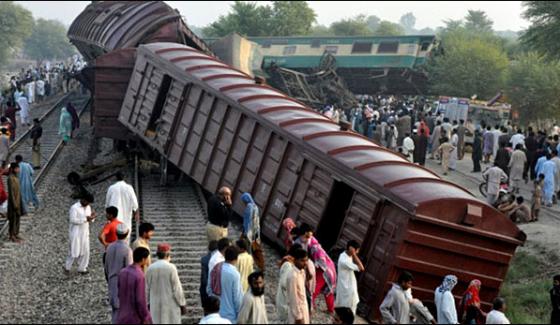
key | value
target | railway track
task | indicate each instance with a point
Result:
(179, 216)
(51, 143)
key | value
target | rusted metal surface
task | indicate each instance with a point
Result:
(111, 77)
(222, 129)
(105, 26)
(321, 86)
(106, 33)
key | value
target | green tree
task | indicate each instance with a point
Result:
(245, 18)
(320, 30)
(373, 22)
(387, 28)
(468, 66)
(351, 27)
(544, 32)
(477, 21)
(291, 18)
(48, 41)
(15, 26)
(408, 21)
(532, 87)
(283, 18)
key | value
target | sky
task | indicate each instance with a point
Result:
(505, 14)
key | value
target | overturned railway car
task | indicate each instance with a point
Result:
(219, 127)
(106, 33)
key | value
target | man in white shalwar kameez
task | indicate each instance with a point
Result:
(164, 290)
(282, 291)
(253, 307)
(24, 110)
(346, 284)
(121, 195)
(80, 217)
(455, 152)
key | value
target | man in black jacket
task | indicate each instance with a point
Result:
(219, 213)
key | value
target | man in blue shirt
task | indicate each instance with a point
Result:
(231, 294)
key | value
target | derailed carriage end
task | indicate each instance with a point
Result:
(107, 33)
(220, 128)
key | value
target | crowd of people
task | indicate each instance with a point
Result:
(411, 128)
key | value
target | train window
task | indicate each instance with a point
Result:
(288, 50)
(160, 102)
(425, 46)
(266, 44)
(331, 49)
(316, 43)
(362, 47)
(388, 47)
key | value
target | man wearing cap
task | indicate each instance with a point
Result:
(81, 215)
(164, 289)
(119, 256)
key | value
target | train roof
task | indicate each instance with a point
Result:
(288, 40)
(105, 26)
(414, 187)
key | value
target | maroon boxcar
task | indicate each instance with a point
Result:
(106, 33)
(220, 128)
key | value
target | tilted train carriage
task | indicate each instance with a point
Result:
(106, 33)
(220, 128)
(368, 64)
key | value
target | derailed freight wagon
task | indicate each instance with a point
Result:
(219, 127)
(106, 33)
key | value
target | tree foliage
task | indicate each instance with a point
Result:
(544, 32)
(48, 41)
(351, 27)
(387, 28)
(533, 85)
(245, 18)
(292, 18)
(477, 21)
(468, 66)
(373, 22)
(15, 26)
(408, 22)
(283, 18)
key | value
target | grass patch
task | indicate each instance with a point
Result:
(526, 290)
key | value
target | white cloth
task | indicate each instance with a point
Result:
(496, 317)
(164, 291)
(494, 176)
(445, 305)
(30, 92)
(79, 236)
(454, 153)
(282, 292)
(497, 134)
(121, 195)
(395, 308)
(346, 284)
(408, 146)
(24, 112)
(556, 160)
(214, 319)
(40, 88)
(215, 259)
(253, 310)
(517, 139)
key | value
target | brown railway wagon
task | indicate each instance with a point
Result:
(106, 26)
(106, 33)
(219, 127)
